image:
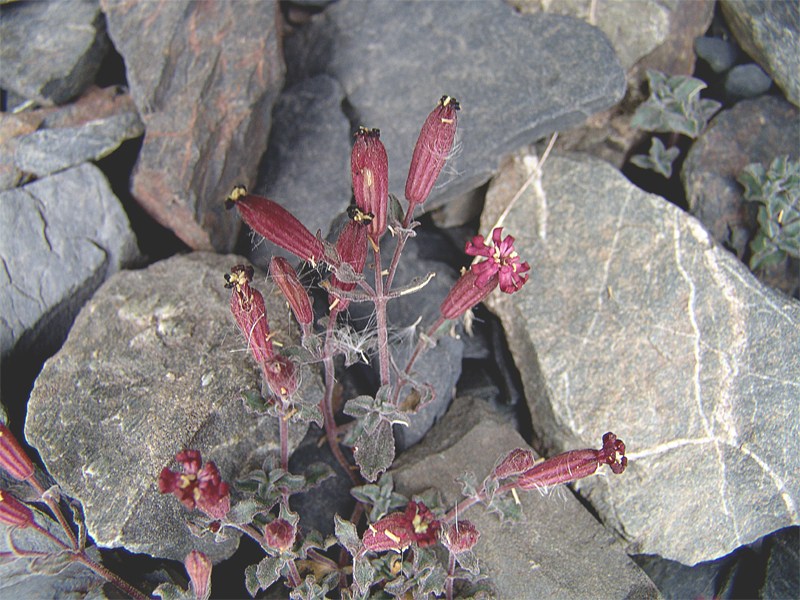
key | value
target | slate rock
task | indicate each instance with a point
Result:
(306, 168)
(154, 365)
(746, 81)
(70, 233)
(48, 151)
(204, 77)
(51, 50)
(635, 321)
(518, 77)
(554, 554)
(769, 31)
(720, 54)
(757, 130)
(783, 565)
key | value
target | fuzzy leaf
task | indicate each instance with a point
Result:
(381, 496)
(363, 574)
(374, 453)
(316, 474)
(268, 571)
(243, 512)
(468, 561)
(659, 159)
(347, 535)
(311, 590)
(170, 591)
(253, 402)
(507, 508)
(469, 484)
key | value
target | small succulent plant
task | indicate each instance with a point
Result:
(777, 191)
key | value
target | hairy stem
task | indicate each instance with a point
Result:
(380, 310)
(56, 510)
(472, 500)
(451, 569)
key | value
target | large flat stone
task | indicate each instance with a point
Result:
(635, 321)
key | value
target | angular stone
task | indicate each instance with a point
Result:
(154, 365)
(555, 552)
(635, 321)
(769, 31)
(69, 234)
(51, 51)
(306, 168)
(48, 151)
(204, 77)
(758, 130)
(395, 60)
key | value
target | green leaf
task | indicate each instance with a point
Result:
(507, 508)
(170, 591)
(381, 496)
(469, 484)
(363, 574)
(316, 474)
(469, 562)
(659, 159)
(347, 535)
(251, 580)
(242, 513)
(253, 401)
(268, 571)
(374, 453)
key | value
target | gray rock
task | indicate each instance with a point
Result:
(746, 81)
(518, 77)
(48, 151)
(51, 50)
(720, 54)
(152, 366)
(69, 234)
(635, 322)
(756, 130)
(554, 553)
(769, 31)
(783, 575)
(204, 77)
(307, 164)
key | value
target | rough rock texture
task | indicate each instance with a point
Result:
(204, 77)
(634, 321)
(50, 51)
(153, 365)
(769, 31)
(518, 77)
(554, 554)
(758, 130)
(67, 234)
(307, 165)
(608, 135)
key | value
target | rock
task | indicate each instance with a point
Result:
(51, 50)
(69, 234)
(756, 130)
(782, 571)
(635, 322)
(393, 69)
(307, 165)
(204, 77)
(48, 151)
(746, 81)
(769, 31)
(152, 366)
(720, 54)
(551, 555)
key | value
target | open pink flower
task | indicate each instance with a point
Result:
(502, 260)
(196, 487)
(398, 531)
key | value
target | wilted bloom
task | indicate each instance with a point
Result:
(517, 461)
(286, 279)
(502, 260)
(276, 224)
(460, 537)
(576, 464)
(433, 146)
(13, 512)
(279, 535)
(196, 487)
(12, 457)
(370, 168)
(199, 569)
(280, 375)
(247, 306)
(424, 525)
(352, 248)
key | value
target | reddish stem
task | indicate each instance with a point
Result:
(380, 311)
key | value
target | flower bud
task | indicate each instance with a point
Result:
(352, 248)
(433, 146)
(276, 224)
(281, 376)
(12, 457)
(199, 569)
(465, 294)
(247, 306)
(279, 535)
(286, 279)
(517, 461)
(13, 512)
(460, 537)
(370, 168)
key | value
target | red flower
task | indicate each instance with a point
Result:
(199, 569)
(286, 279)
(352, 249)
(465, 294)
(424, 525)
(460, 537)
(281, 376)
(13, 512)
(12, 457)
(398, 530)
(279, 535)
(370, 169)
(196, 487)
(430, 153)
(247, 306)
(576, 464)
(275, 223)
(502, 259)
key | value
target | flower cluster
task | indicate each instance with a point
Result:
(397, 531)
(197, 487)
